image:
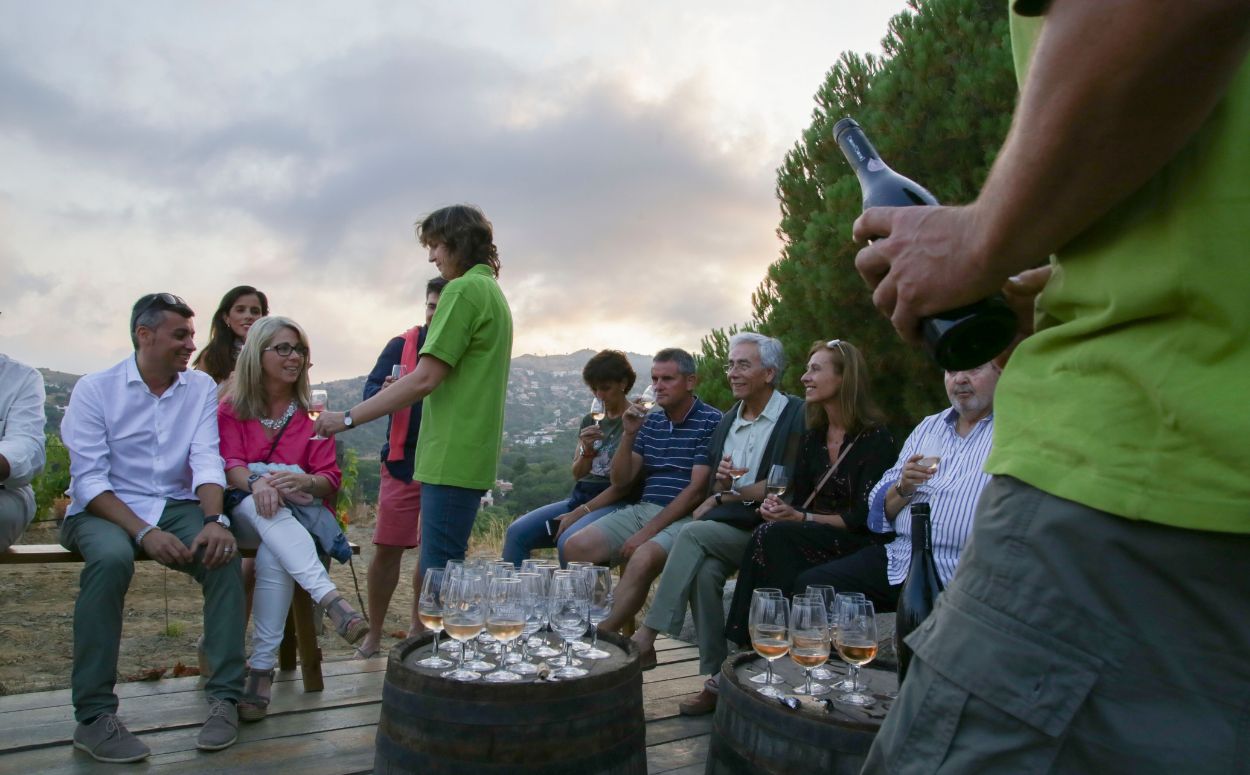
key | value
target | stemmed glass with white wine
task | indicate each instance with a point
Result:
(430, 613)
(769, 623)
(857, 643)
(648, 398)
(464, 617)
(597, 410)
(505, 621)
(318, 402)
(764, 592)
(778, 480)
(809, 639)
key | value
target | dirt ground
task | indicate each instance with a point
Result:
(37, 612)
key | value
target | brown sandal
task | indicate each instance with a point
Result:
(253, 706)
(347, 620)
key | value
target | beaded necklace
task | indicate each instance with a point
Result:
(274, 425)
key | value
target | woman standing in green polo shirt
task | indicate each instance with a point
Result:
(462, 377)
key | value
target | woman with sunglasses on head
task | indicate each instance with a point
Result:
(845, 451)
(242, 306)
(290, 480)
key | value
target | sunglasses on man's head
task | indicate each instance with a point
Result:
(154, 300)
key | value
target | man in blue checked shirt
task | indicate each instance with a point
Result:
(668, 448)
(942, 463)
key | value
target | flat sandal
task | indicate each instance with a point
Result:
(347, 620)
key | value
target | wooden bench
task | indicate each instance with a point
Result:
(299, 639)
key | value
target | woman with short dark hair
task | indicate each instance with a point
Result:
(610, 377)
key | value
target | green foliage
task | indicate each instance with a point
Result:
(937, 106)
(710, 363)
(349, 489)
(52, 483)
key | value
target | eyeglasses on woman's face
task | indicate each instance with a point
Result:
(285, 349)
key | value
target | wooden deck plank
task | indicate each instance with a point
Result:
(667, 757)
(329, 732)
(52, 726)
(131, 689)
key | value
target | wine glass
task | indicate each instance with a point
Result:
(451, 573)
(576, 567)
(318, 402)
(857, 644)
(809, 639)
(599, 580)
(476, 594)
(778, 480)
(826, 593)
(569, 615)
(764, 592)
(597, 410)
(769, 625)
(648, 398)
(930, 450)
(464, 616)
(430, 613)
(505, 620)
(532, 593)
(739, 467)
(844, 684)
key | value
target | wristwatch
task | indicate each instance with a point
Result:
(143, 534)
(347, 418)
(220, 519)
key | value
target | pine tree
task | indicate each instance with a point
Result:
(937, 106)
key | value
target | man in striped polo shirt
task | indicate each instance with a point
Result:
(669, 449)
(959, 439)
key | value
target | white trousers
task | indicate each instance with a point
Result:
(286, 556)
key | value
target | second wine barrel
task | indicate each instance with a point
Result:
(752, 733)
(592, 724)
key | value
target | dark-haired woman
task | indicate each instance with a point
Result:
(242, 306)
(845, 451)
(462, 377)
(610, 377)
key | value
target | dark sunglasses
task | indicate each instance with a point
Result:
(284, 350)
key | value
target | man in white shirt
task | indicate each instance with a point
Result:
(21, 446)
(146, 476)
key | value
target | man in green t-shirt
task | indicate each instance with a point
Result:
(462, 377)
(1100, 618)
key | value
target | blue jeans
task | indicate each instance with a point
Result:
(447, 515)
(528, 532)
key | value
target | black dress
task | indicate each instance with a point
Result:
(780, 551)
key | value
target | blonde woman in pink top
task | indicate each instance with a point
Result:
(264, 420)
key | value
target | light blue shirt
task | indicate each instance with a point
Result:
(145, 449)
(752, 435)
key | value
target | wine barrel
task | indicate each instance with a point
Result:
(757, 734)
(592, 724)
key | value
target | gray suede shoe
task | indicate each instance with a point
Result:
(108, 740)
(222, 727)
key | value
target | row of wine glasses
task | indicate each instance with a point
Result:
(493, 600)
(807, 629)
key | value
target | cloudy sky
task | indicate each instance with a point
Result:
(625, 151)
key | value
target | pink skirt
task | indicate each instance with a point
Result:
(399, 512)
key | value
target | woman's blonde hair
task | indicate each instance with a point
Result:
(854, 397)
(247, 395)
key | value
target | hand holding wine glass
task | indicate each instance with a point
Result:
(597, 410)
(318, 402)
(647, 401)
